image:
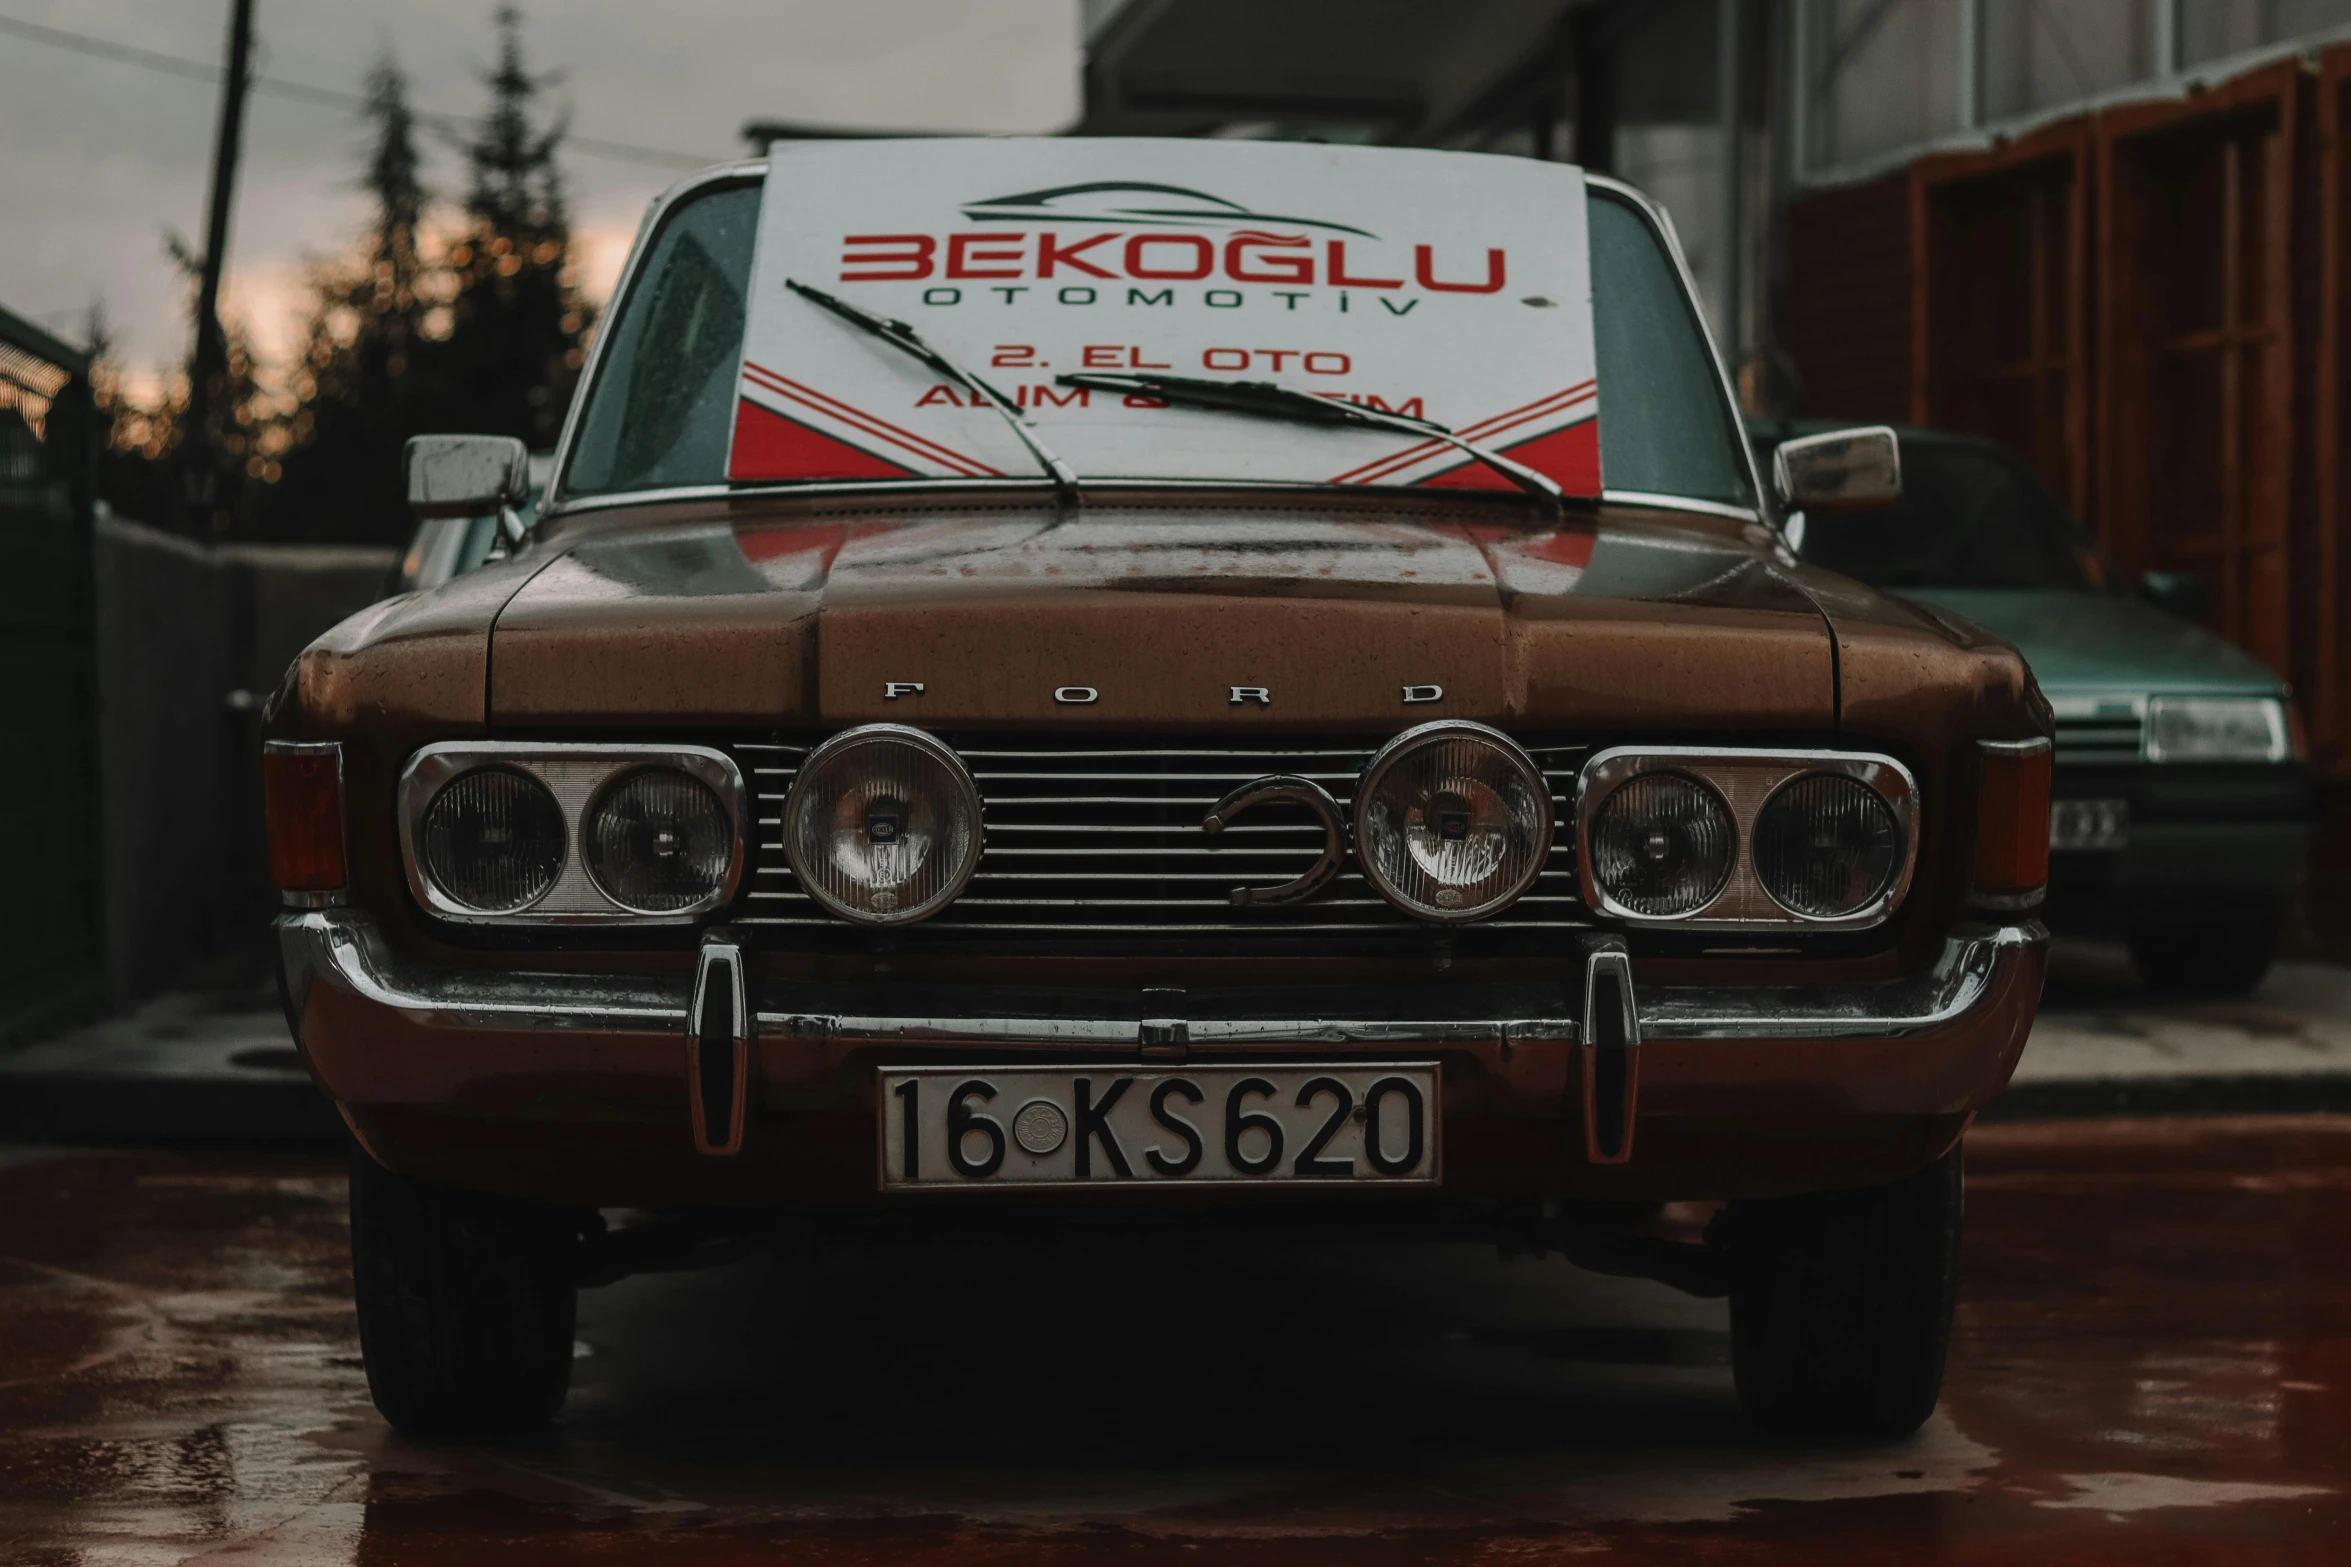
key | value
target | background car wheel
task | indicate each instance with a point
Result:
(1841, 1305)
(2207, 960)
(465, 1302)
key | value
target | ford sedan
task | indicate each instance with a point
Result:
(1063, 681)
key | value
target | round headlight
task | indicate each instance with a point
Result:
(492, 840)
(1663, 844)
(882, 825)
(1452, 821)
(658, 840)
(1827, 845)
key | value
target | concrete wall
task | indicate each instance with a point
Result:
(191, 638)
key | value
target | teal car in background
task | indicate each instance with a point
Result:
(2183, 800)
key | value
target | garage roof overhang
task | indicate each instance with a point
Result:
(1359, 70)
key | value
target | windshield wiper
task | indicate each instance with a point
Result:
(908, 341)
(1274, 401)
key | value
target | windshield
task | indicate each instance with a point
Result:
(660, 411)
(1970, 516)
(658, 414)
(1665, 427)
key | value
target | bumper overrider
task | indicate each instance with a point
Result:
(622, 1089)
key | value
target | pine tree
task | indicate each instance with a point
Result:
(135, 439)
(241, 438)
(365, 381)
(519, 323)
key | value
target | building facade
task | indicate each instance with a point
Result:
(2109, 233)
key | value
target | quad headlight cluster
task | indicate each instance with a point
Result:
(883, 825)
(1725, 839)
(571, 834)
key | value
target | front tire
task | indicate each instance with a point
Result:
(1841, 1305)
(466, 1304)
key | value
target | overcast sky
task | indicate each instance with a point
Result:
(98, 158)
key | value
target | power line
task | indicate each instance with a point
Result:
(304, 92)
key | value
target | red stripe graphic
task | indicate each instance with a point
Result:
(1569, 454)
(772, 445)
(1496, 424)
(1493, 424)
(869, 424)
(873, 424)
(1434, 450)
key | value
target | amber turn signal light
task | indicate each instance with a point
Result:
(302, 797)
(2012, 824)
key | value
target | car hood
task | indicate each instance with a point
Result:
(781, 614)
(2080, 642)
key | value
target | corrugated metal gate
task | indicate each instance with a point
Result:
(1999, 326)
(2328, 680)
(52, 937)
(2196, 324)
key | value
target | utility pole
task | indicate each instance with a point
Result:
(200, 465)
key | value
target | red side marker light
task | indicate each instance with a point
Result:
(302, 797)
(2012, 824)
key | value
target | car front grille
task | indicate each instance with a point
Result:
(1102, 838)
(2095, 733)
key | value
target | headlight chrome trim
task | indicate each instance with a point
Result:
(576, 774)
(959, 774)
(1411, 739)
(1746, 780)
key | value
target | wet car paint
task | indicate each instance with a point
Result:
(2151, 1364)
(1162, 608)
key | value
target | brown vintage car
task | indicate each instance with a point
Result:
(1477, 856)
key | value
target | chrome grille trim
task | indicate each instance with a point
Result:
(1061, 855)
(2101, 730)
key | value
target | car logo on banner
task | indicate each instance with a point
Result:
(1453, 287)
(1132, 202)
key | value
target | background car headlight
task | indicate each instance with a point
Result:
(1452, 821)
(2216, 729)
(492, 839)
(1827, 845)
(657, 840)
(1662, 845)
(882, 825)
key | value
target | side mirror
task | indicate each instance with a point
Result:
(466, 475)
(1842, 470)
(2181, 593)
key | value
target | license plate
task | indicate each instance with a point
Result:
(2089, 824)
(961, 1127)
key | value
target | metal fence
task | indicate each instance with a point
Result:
(52, 934)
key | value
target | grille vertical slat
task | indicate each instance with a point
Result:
(1105, 839)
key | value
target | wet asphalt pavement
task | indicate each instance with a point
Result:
(2151, 1364)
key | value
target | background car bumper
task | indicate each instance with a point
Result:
(2211, 843)
(574, 1086)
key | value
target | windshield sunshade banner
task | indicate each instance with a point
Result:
(1447, 286)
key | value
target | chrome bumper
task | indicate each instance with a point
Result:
(343, 950)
